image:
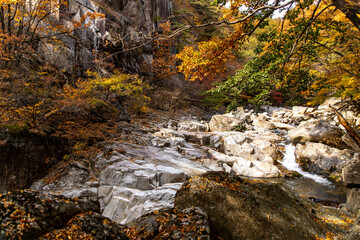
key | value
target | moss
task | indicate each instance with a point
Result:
(16, 128)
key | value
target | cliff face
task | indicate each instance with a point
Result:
(127, 24)
(25, 158)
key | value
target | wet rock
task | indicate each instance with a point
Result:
(246, 209)
(321, 159)
(314, 131)
(351, 172)
(223, 123)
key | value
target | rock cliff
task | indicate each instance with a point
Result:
(127, 24)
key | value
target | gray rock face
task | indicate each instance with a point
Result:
(24, 157)
(127, 204)
(351, 172)
(321, 159)
(314, 131)
(130, 20)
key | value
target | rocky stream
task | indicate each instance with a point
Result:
(246, 175)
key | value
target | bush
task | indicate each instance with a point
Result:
(249, 86)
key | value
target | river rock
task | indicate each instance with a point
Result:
(314, 131)
(223, 123)
(193, 126)
(351, 172)
(123, 205)
(320, 158)
(257, 169)
(261, 124)
(245, 209)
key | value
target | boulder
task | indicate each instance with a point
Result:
(314, 131)
(189, 223)
(261, 125)
(354, 233)
(321, 159)
(247, 209)
(26, 214)
(353, 201)
(255, 169)
(351, 172)
(123, 205)
(223, 123)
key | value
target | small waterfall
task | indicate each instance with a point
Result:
(290, 163)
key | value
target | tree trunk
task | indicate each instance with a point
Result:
(351, 9)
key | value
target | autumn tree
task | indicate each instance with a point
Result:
(312, 50)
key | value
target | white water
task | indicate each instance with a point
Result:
(290, 163)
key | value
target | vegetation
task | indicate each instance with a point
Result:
(306, 56)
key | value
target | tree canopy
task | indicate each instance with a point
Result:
(309, 53)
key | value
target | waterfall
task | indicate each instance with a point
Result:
(290, 163)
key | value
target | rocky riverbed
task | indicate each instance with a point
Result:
(147, 165)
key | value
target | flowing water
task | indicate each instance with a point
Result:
(290, 163)
(311, 185)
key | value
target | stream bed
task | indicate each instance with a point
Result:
(312, 186)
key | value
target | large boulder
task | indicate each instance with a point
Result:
(223, 123)
(321, 159)
(351, 172)
(353, 201)
(354, 233)
(26, 214)
(190, 223)
(248, 209)
(315, 131)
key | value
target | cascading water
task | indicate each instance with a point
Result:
(290, 163)
(311, 185)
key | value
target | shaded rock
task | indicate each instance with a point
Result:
(246, 209)
(190, 223)
(223, 123)
(26, 157)
(351, 172)
(314, 131)
(89, 225)
(321, 159)
(353, 201)
(27, 215)
(354, 233)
